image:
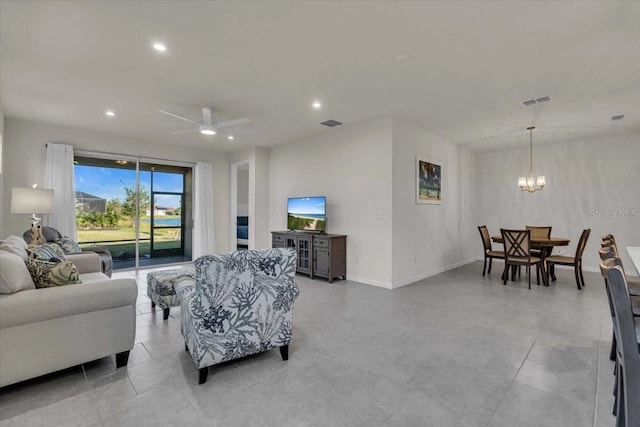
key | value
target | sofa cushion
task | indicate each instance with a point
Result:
(46, 274)
(47, 251)
(14, 275)
(16, 246)
(68, 245)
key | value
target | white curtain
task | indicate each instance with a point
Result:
(203, 236)
(58, 175)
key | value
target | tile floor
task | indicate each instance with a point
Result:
(456, 349)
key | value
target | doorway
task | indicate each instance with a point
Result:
(240, 218)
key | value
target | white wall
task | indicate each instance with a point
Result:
(243, 186)
(352, 168)
(24, 152)
(585, 179)
(260, 193)
(429, 239)
(2, 201)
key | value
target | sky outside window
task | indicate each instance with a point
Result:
(109, 183)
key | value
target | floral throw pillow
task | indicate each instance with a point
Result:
(47, 274)
(48, 251)
(68, 245)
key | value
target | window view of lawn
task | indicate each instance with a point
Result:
(106, 200)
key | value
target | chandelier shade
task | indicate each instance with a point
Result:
(529, 184)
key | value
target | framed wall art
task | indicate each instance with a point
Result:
(428, 181)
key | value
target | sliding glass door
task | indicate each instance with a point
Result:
(139, 210)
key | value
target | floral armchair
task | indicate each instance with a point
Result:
(241, 303)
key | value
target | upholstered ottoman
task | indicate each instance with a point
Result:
(160, 287)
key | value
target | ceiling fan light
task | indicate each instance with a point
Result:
(207, 130)
(541, 181)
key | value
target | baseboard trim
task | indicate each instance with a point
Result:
(431, 273)
(366, 281)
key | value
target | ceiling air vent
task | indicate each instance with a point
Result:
(536, 101)
(331, 123)
(618, 117)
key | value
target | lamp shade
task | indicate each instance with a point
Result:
(31, 200)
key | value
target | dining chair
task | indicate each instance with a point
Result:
(574, 261)
(608, 242)
(489, 253)
(608, 255)
(539, 232)
(517, 251)
(627, 402)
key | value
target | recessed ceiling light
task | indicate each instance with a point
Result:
(316, 105)
(110, 113)
(121, 162)
(160, 47)
(230, 137)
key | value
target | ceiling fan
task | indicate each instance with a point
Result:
(207, 126)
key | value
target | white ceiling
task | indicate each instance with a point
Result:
(470, 65)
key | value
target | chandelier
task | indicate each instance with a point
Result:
(528, 183)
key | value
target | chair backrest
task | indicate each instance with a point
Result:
(486, 239)
(626, 341)
(217, 276)
(539, 231)
(49, 234)
(582, 243)
(517, 243)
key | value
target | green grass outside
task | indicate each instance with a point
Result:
(126, 250)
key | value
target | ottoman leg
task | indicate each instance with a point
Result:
(165, 313)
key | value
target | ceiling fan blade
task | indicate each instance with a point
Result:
(185, 131)
(229, 123)
(178, 117)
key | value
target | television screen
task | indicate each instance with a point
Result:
(306, 213)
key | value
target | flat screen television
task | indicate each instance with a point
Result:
(307, 213)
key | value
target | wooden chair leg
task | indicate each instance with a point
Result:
(529, 275)
(577, 274)
(284, 352)
(538, 274)
(165, 313)
(552, 271)
(203, 373)
(505, 274)
(490, 262)
(581, 276)
(484, 268)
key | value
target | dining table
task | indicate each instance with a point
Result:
(545, 245)
(634, 253)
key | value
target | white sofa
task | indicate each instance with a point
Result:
(49, 329)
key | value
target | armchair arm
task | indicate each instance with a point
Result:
(96, 249)
(88, 262)
(39, 305)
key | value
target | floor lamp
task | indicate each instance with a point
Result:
(32, 201)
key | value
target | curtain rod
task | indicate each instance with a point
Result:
(139, 158)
